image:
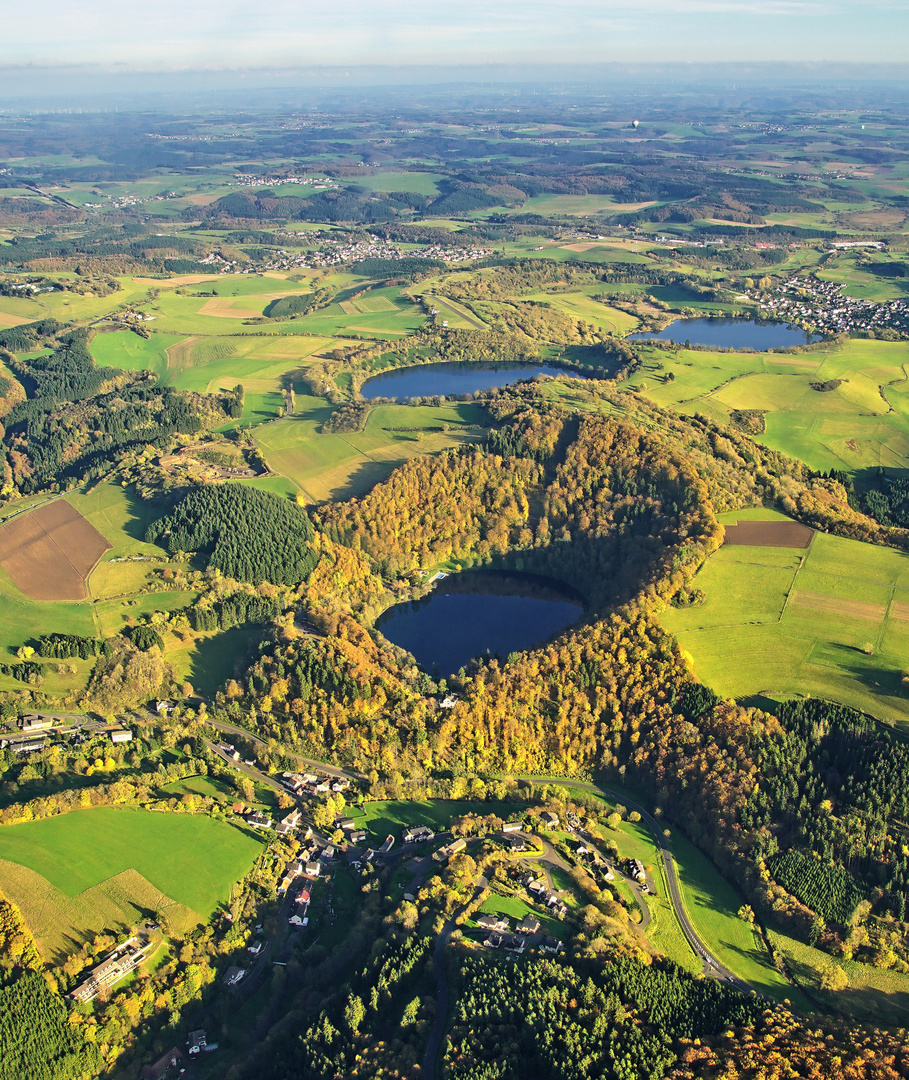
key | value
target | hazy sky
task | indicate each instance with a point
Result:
(259, 33)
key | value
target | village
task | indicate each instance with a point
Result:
(340, 252)
(822, 307)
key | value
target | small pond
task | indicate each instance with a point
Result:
(727, 333)
(453, 378)
(469, 613)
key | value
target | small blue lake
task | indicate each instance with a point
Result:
(724, 333)
(454, 378)
(478, 610)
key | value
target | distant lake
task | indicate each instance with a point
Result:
(476, 610)
(727, 333)
(453, 378)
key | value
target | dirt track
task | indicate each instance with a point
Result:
(49, 552)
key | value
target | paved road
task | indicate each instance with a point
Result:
(434, 1046)
(330, 770)
(248, 770)
(712, 965)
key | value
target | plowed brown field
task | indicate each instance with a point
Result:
(50, 551)
(784, 534)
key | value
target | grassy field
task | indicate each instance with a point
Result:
(873, 995)
(830, 621)
(423, 183)
(385, 818)
(116, 600)
(122, 520)
(335, 466)
(218, 789)
(206, 364)
(74, 855)
(712, 902)
(860, 424)
(517, 909)
(581, 305)
(575, 205)
(126, 350)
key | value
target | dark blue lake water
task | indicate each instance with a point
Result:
(453, 378)
(476, 610)
(731, 334)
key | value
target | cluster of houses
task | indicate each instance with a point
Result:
(590, 855)
(310, 783)
(823, 306)
(541, 892)
(310, 864)
(499, 934)
(252, 180)
(300, 918)
(114, 967)
(349, 826)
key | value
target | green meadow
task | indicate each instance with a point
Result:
(211, 364)
(67, 871)
(830, 621)
(859, 424)
(872, 995)
(581, 305)
(423, 183)
(81, 849)
(339, 465)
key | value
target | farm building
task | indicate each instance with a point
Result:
(512, 827)
(258, 820)
(27, 746)
(163, 1066)
(121, 736)
(417, 834)
(33, 722)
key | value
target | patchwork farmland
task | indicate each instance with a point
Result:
(826, 620)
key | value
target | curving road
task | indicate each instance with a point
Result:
(711, 965)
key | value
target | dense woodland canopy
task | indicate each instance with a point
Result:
(246, 534)
(553, 1020)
